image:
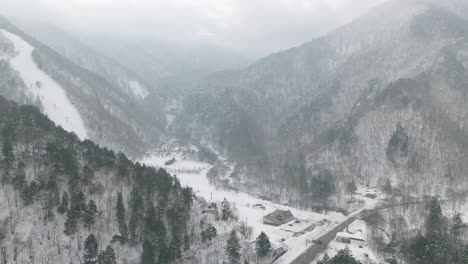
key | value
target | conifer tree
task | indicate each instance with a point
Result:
(107, 256)
(91, 250)
(262, 245)
(120, 214)
(63, 208)
(233, 248)
(90, 214)
(8, 159)
(225, 210)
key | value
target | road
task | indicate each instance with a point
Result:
(313, 251)
(309, 255)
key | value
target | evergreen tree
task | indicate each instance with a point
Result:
(351, 188)
(91, 250)
(19, 181)
(87, 175)
(464, 255)
(90, 214)
(434, 220)
(137, 215)
(344, 257)
(225, 210)
(233, 248)
(28, 193)
(63, 208)
(120, 214)
(209, 233)
(262, 245)
(147, 257)
(107, 256)
(176, 185)
(8, 159)
(187, 196)
(387, 188)
(76, 210)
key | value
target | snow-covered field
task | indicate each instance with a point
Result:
(53, 97)
(193, 174)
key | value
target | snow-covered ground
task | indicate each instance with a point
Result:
(53, 97)
(193, 174)
(361, 252)
(138, 90)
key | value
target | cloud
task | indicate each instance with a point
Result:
(252, 26)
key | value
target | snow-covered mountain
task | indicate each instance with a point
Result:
(382, 97)
(79, 100)
(87, 58)
(172, 67)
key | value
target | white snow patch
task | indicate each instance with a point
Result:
(53, 97)
(138, 90)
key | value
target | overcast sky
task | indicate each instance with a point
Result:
(254, 27)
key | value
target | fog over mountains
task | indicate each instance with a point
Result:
(362, 128)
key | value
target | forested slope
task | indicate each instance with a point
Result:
(58, 191)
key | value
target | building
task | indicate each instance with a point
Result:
(353, 239)
(278, 218)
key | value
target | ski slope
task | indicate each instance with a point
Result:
(56, 104)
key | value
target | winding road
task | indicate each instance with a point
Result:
(313, 251)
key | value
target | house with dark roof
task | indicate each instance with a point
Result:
(278, 218)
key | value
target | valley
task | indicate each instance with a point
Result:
(251, 210)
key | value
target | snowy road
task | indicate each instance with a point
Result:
(312, 252)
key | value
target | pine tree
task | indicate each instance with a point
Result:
(464, 255)
(19, 181)
(87, 175)
(147, 257)
(8, 160)
(91, 250)
(225, 210)
(63, 208)
(137, 215)
(233, 248)
(107, 256)
(351, 188)
(76, 210)
(262, 245)
(120, 214)
(90, 214)
(387, 188)
(209, 233)
(187, 196)
(28, 193)
(344, 257)
(434, 221)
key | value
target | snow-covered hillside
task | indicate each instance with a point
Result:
(52, 96)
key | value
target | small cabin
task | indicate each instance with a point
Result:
(278, 217)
